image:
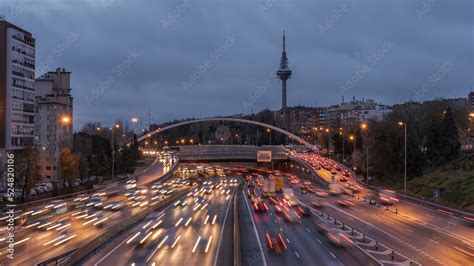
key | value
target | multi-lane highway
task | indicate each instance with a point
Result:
(190, 219)
(53, 228)
(427, 236)
(194, 230)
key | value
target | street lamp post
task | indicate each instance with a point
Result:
(404, 124)
(341, 132)
(365, 128)
(134, 122)
(327, 148)
(113, 150)
(352, 138)
(270, 135)
(65, 121)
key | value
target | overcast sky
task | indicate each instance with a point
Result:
(188, 58)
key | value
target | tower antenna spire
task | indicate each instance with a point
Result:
(284, 41)
(283, 72)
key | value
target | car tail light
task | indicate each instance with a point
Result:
(282, 241)
(269, 241)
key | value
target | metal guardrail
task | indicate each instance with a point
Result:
(461, 213)
(57, 260)
(69, 258)
(71, 195)
(313, 171)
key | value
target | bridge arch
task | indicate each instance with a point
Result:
(230, 119)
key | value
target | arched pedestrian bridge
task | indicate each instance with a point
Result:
(232, 119)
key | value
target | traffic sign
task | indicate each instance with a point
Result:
(436, 192)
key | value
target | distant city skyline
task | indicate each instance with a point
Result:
(222, 63)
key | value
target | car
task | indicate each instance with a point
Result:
(321, 194)
(353, 188)
(274, 200)
(278, 209)
(346, 173)
(303, 211)
(338, 238)
(275, 242)
(291, 216)
(335, 236)
(318, 203)
(260, 206)
(343, 179)
(333, 171)
(343, 203)
(33, 192)
(335, 191)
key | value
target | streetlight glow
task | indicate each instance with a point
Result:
(65, 120)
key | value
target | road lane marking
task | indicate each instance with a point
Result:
(222, 229)
(332, 255)
(319, 241)
(255, 230)
(297, 255)
(121, 243)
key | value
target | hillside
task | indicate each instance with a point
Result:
(455, 181)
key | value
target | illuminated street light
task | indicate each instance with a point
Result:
(365, 127)
(134, 120)
(65, 120)
(117, 125)
(166, 142)
(352, 138)
(270, 135)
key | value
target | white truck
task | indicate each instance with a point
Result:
(268, 187)
(289, 196)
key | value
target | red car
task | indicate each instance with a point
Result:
(275, 242)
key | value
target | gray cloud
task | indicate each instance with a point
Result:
(426, 33)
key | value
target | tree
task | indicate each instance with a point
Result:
(449, 138)
(83, 167)
(68, 167)
(100, 159)
(27, 170)
(125, 162)
(337, 139)
(434, 143)
(415, 158)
